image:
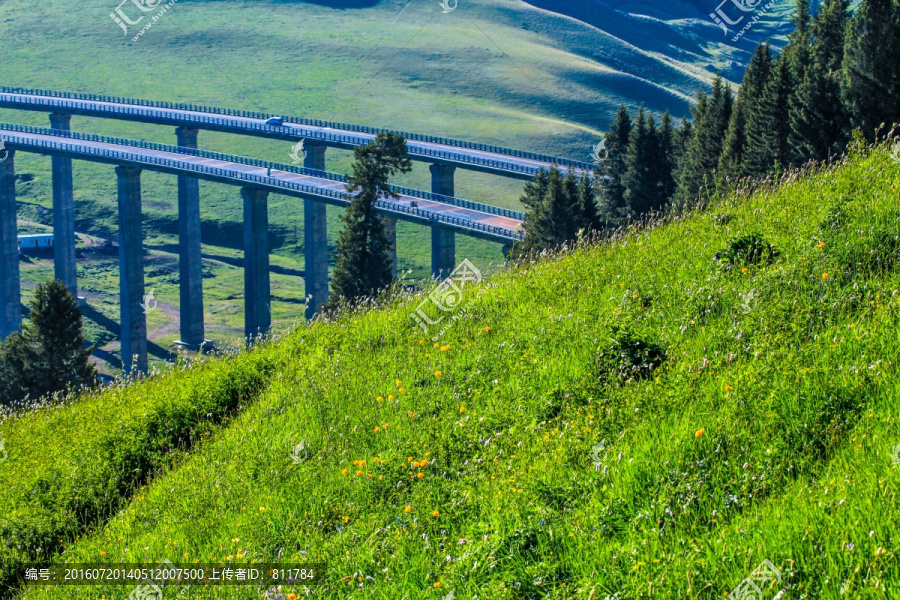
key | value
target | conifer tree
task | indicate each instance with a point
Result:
(870, 79)
(774, 122)
(587, 204)
(745, 128)
(570, 217)
(639, 189)
(683, 136)
(819, 123)
(663, 163)
(711, 117)
(48, 355)
(363, 264)
(797, 57)
(558, 208)
(611, 171)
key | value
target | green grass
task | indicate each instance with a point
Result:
(764, 432)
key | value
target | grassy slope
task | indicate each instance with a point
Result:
(765, 435)
(501, 72)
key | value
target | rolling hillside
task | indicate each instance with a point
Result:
(646, 417)
(542, 76)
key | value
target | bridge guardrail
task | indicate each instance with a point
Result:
(320, 123)
(251, 177)
(486, 208)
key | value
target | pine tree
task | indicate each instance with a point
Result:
(797, 57)
(569, 219)
(870, 79)
(536, 190)
(682, 138)
(48, 355)
(712, 114)
(611, 171)
(663, 163)
(363, 264)
(557, 209)
(745, 133)
(587, 204)
(637, 181)
(775, 120)
(819, 123)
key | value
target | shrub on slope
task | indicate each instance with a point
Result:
(494, 462)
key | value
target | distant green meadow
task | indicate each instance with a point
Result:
(632, 419)
(499, 72)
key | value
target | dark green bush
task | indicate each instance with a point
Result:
(628, 357)
(746, 250)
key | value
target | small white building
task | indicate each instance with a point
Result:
(36, 240)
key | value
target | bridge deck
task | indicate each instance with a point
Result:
(235, 170)
(479, 157)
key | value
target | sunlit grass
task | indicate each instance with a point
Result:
(465, 463)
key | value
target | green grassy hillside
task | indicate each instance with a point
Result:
(503, 72)
(531, 451)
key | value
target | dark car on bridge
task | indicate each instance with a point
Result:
(275, 121)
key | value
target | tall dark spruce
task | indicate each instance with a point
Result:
(48, 355)
(362, 249)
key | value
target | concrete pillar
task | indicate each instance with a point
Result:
(10, 292)
(131, 272)
(315, 244)
(315, 156)
(443, 252)
(189, 251)
(315, 239)
(257, 316)
(390, 232)
(63, 214)
(443, 241)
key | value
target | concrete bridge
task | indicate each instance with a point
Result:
(444, 152)
(445, 214)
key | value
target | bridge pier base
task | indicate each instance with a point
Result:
(64, 265)
(10, 291)
(443, 241)
(131, 272)
(443, 252)
(390, 232)
(315, 240)
(257, 313)
(189, 251)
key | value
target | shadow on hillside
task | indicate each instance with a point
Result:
(113, 327)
